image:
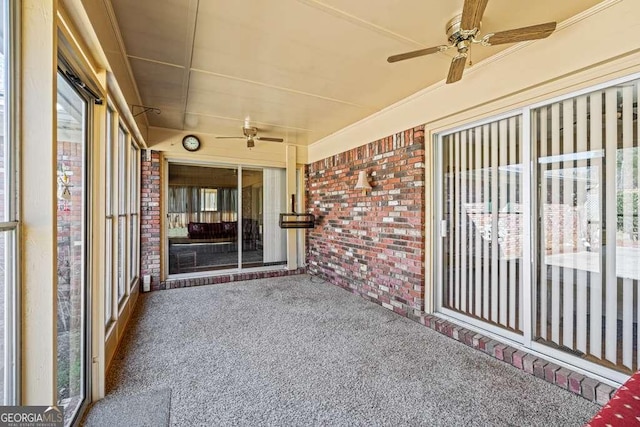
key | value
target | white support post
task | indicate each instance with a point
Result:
(38, 176)
(292, 241)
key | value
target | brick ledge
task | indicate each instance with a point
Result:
(588, 388)
(235, 277)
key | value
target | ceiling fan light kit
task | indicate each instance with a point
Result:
(462, 31)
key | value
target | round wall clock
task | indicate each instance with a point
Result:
(191, 143)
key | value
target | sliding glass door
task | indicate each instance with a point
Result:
(578, 198)
(482, 223)
(223, 218)
(589, 250)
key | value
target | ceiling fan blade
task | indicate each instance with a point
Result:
(416, 53)
(231, 137)
(265, 138)
(457, 68)
(472, 12)
(533, 32)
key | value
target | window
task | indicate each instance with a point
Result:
(72, 153)
(122, 212)
(134, 204)
(108, 250)
(208, 200)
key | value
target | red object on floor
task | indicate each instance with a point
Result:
(624, 407)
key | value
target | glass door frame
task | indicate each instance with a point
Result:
(530, 180)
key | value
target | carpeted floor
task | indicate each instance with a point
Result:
(297, 351)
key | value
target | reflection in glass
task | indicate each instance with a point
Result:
(588, 250)
(204, 229)
(482, 202)
(71, 257)
(122, 214)
(202, 223)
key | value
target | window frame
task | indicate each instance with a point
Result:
(122, 175)
(133, 214)
(110, 185)
(11, 222)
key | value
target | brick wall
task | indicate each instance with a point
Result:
(150, 218)
(372, 244)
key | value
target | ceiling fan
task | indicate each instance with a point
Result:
(462, 31)
(250, 133)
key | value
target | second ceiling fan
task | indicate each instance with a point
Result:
(250, 134)
(462, 31)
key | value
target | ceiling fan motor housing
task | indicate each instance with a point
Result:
(457, 34)
(249, 131)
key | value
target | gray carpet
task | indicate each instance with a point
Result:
(147, 409)
(292, 351)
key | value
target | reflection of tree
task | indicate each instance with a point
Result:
(627, 168)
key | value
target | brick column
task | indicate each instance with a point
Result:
(150, 219)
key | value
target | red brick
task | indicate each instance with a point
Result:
(538, 368)
(575, 382)
(527, 363)
(518, 357)
(498, 351)
(508, 355)
(562, 377)
(589, 389)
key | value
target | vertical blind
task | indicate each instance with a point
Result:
(588, 258)
(482, 274)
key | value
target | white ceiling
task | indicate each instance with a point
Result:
(300, 69)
